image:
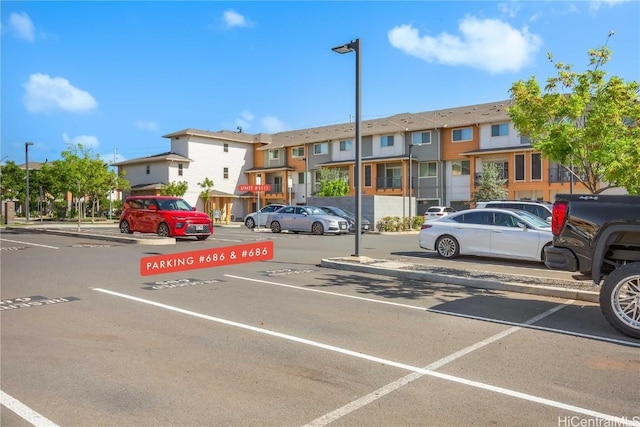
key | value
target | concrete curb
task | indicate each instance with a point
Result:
(500, 285)
(158, 241)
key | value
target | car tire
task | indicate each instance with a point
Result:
(250, 223)
(447, 247)
(201, 238)
(275, 227)
(163, 230)
(619, 294)
(317, 228)
(125, 228)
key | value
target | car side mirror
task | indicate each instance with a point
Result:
(153, 207)
(193, 208)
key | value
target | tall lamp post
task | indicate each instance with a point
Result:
(354, 46)
(26, 159)
(411, 145)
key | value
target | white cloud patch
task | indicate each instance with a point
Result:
(244, 121)
(44, 94)
(22, 27)
(86, 141)
(272, 124)
(596, 5)
(233, 19)
(486, 44)
(147, 125)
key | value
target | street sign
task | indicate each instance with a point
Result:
(254, 187)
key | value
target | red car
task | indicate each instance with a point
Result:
(165, 215)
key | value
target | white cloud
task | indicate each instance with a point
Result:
(44, 94)
(86, 141)
(273, 124)
(509, 9)
(147, 125)
(487, 44)
(596, 5)
(21, 25)
(233, 19)
(245, 120)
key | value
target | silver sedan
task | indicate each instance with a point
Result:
(500, 233)
(306, 219)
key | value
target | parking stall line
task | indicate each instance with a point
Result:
(27, 243)
(524, 325)
(24, 411)
(383, 361)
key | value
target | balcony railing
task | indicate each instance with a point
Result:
(389, 183)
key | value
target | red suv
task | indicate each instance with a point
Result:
(167, 216)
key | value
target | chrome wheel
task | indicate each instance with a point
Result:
(250, 223)
(163, 230)
(317, 229)
(125, 228)
(275, 227)
(447, 247)
(620, 299)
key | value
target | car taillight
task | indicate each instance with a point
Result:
(558, 217)
(425, 226)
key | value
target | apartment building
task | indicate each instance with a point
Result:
(429, 158)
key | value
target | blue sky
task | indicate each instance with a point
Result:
(117, 75)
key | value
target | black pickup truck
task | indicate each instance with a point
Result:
(599, 235)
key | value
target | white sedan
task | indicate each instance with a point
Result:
(306, 219)
(501, 233)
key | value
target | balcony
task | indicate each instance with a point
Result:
(389, 183)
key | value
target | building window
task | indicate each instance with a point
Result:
(274, 154)
(322, 148)
(225, 173)
(464, 134)
(428, 169)
(367, 175)
(536, 167)
(386, 141)
(297, 152)
(460, 167)
(345, 145)
(503, 169)
(301, 177)
(500, 130)
(519, 174)
(179, 169)
(226, 148)
(418, 138)
(148, 169)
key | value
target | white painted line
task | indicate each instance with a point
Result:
(380, 360)
(24, 411)
(449, 313)
(27, 243)
(377, 394)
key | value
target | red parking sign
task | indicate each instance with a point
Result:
(207, 258)
(254, 187)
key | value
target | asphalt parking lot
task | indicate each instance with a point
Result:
(286, 341)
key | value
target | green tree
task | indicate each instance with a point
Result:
(84, 175)
(205, 194)
(332, 183)
(177, 189)
(490, 184)
(13, 181)
(584, 120)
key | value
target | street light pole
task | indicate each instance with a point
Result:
(354, 46)
(26, 158)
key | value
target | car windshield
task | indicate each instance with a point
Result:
(342, 212)
(315, 211)
(534, 219)
(174, 205)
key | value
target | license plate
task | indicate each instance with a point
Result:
(199, 227)
(366, 227)
(343, 226)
